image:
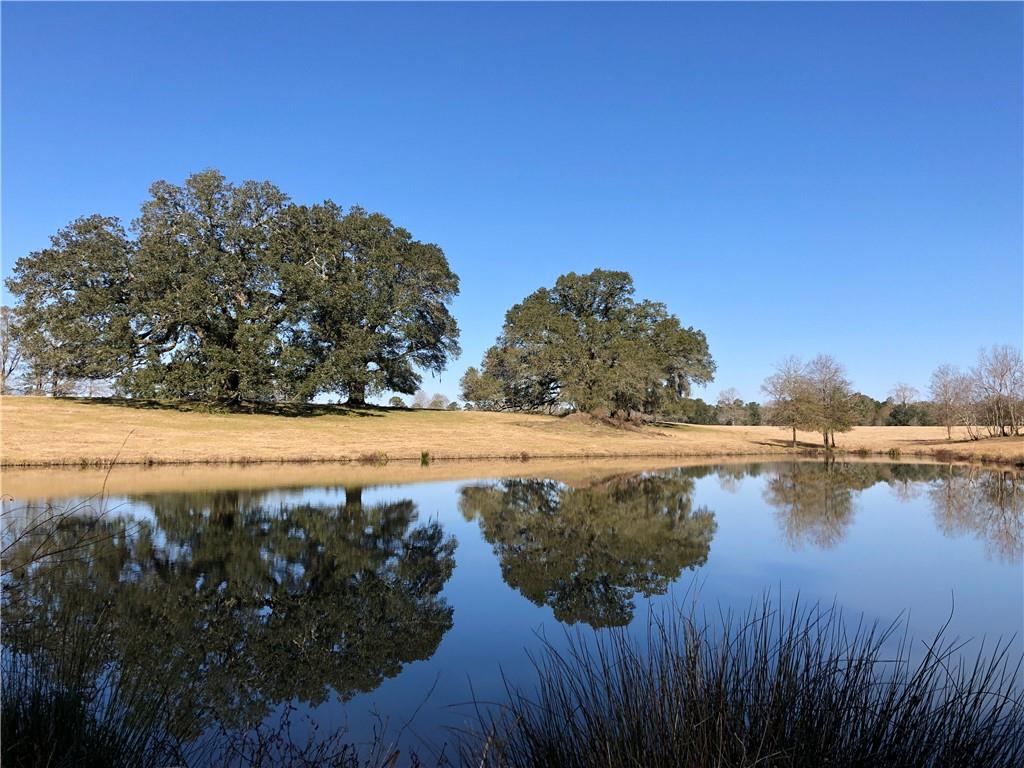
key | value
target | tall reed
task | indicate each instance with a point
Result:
(771, 687)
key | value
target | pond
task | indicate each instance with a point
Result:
(370, 598)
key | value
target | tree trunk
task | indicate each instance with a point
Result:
(233, 388)
(794, 437)
(824, 437)
(356, 395)
(354, 499)
(833, 433)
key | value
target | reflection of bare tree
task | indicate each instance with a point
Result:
(906, 489)
(815, 502)
(988, 504)
(730, 477)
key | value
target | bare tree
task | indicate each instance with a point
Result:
(903, 394)
(999, 381)
(420, 399)
(832, 409)
(790, 397)
(439, 402)
(730, 406)
(10, 348)
(949, 396)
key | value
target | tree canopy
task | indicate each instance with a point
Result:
(233, 292)
(587, 551)
(588, 345)
(816, 396)
(258, 602)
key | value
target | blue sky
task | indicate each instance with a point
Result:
(789, 178)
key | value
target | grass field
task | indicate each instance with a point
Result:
(48, 432)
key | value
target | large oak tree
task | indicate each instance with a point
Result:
(587, 344)
(232, 292)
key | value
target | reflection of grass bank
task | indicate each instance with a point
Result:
(781, 688)
(36, 430)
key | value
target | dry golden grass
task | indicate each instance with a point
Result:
(44, 431)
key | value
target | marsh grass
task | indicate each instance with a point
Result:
(373, 457)
(56, 712)
(773, 687)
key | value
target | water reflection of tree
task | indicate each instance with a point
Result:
(587, 551)
(246, 604)
(814, 502)
(986, 503)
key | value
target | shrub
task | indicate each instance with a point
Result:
(373, 457)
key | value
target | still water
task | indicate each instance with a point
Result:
(367, 605)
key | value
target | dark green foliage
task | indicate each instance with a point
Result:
(204, 294)
(587, 551)
(370, 303)
(911, 415)
(692, 411)
(231, 292)
(347, 597)
(587, 344)
(75, 315)
(753, 413)
(868, 412)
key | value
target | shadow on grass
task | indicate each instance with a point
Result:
(786, 443)
(261, 408)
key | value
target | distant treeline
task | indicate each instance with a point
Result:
(866, 411)
(234, 293)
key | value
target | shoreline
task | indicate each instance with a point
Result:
(31, 484)
(76, 433)
(939, 456)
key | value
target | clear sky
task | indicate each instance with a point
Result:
(788, 178)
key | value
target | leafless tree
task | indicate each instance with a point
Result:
(999, 383)
(730, 408)
(903, 394)
(832, 408)
(790, 397)
(949, 395)
(10, 349)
